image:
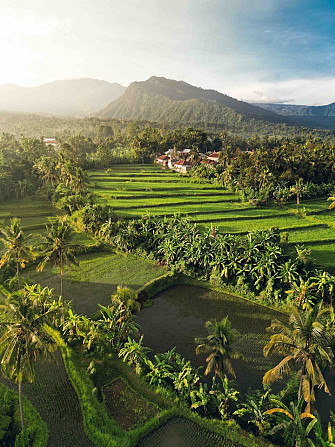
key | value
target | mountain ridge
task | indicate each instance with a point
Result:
(312, 116)
(75, 97)
(167, 100)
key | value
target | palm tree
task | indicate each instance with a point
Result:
(25, 337)
(304, 342)
(218, 345)
(59, 250)
(298, 189)
(17, 248)
(291, 422)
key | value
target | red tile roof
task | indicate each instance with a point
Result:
(214, 155)
(183, 163)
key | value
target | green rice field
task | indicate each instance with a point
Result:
(97, 278)
(134, 190)
(174, 320)
(180, 432)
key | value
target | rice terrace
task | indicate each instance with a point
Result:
(167, 229)
(136, 190)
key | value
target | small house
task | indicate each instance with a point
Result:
(183, 166)
(162, 160)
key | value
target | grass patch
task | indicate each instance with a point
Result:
(125, 406)
(97, 277)
(181, 432)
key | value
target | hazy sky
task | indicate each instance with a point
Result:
(260, 50)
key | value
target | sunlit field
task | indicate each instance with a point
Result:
(134, 190)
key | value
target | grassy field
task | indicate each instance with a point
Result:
(180, 432)
(134, 190)
(97, 277)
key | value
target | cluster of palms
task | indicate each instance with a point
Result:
(66, 181)
(307, 343)
(26, 316)
(28, 313)
(60, 168)
(256, 260)
(279, 169)
(57, 248)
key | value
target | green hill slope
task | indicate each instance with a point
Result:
(166, 100)
(311, 116)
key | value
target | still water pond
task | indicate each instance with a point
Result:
(178, 315)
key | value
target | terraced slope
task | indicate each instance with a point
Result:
(134, 190)
(53, 396)
(180, 432)
(33, 213)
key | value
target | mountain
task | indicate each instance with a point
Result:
(312, 116)
(166, 100)
(75, 97)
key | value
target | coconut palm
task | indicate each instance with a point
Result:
(17, 248)
(25, 338)
(218, 347)
(59, 250)
(305, 341)
(298, 190)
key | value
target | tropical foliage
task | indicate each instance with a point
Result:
(218, 346)
(306, 344)
(58, 250)
(25, 337)
(16, 247)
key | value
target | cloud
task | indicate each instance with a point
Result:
(262, 98)
(312, 91)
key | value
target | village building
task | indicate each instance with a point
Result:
(172, 162)
(162, 160)
(51, 142)
(183, 166)
(214, 157)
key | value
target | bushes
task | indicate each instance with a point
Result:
(159, 284)
(36, 433)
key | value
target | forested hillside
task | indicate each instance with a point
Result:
(311, 116)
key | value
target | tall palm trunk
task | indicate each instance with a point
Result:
(21, 406)
(20, 390)
(61, 290)
(18, 274)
